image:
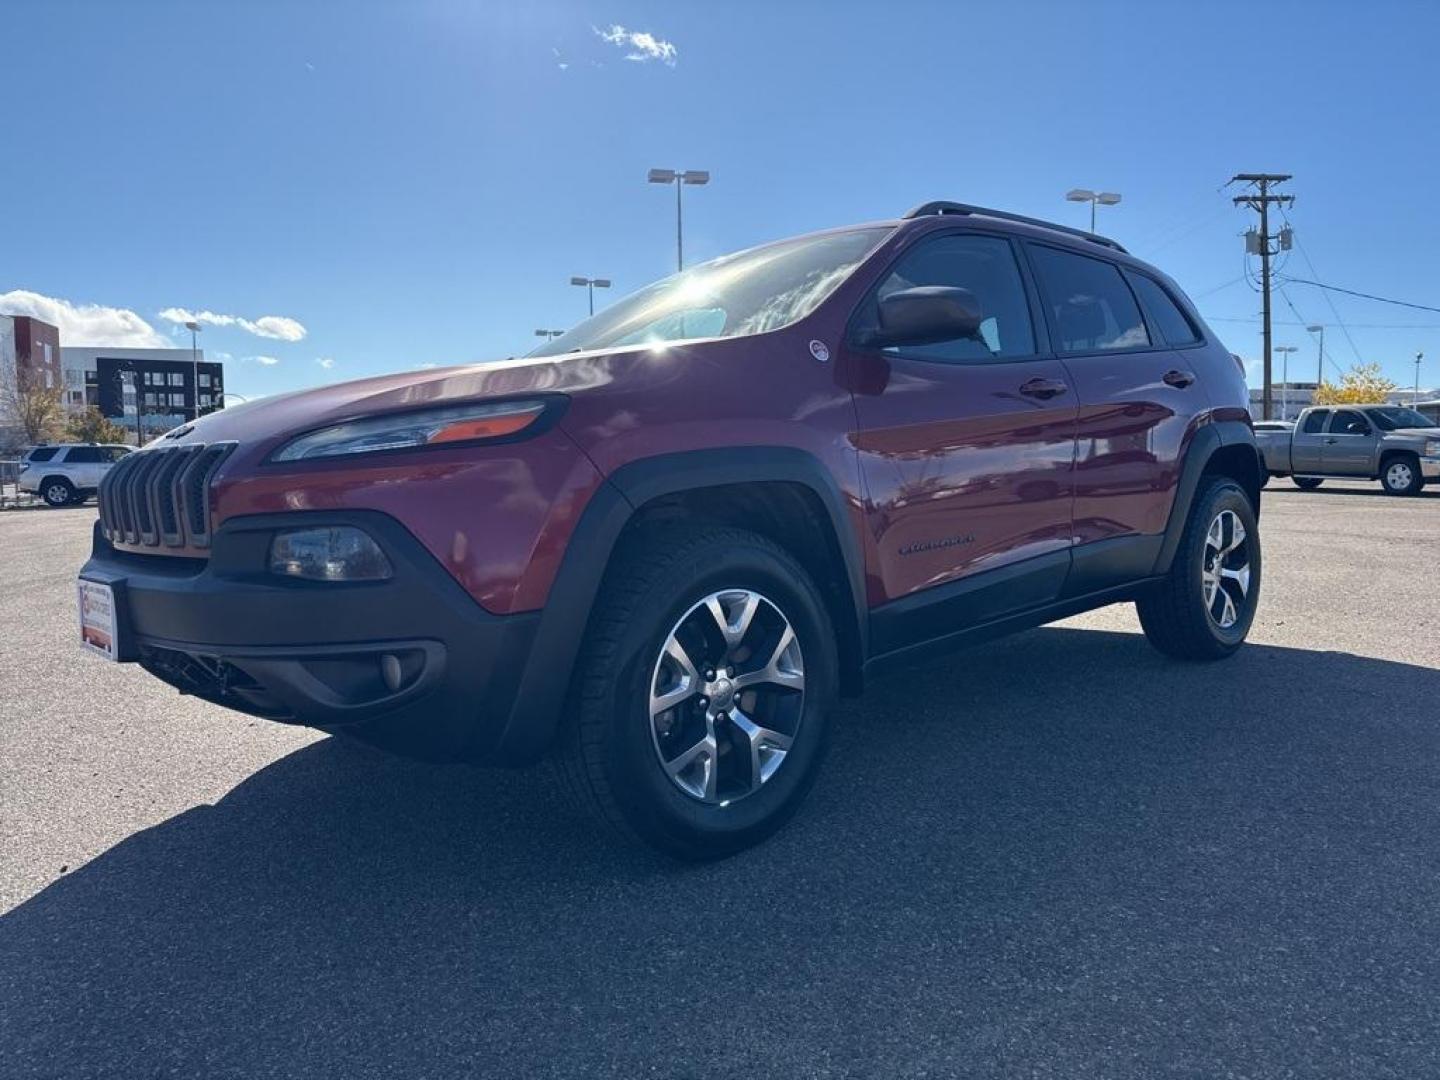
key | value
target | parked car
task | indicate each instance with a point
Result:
(1397, 446)
(66, 474)
(657, 548)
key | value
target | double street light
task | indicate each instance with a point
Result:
(549, 335)
(591, 284)
(679, 177)
(1102, 198)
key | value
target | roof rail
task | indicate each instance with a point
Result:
(941, 206)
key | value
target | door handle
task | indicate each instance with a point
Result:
(1042, 388)
(1331, 442)
(1178, 379)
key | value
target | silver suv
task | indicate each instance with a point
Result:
(69, 473)
(1397, 446)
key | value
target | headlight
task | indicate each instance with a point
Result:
(426, 427)
(1432, 448)
(334, 553)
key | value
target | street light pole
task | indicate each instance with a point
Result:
(194, 329)
(1103, 198)
(1320, 359)
(679, 177)
(1418, 357)
(1285, 351)
(591, 284)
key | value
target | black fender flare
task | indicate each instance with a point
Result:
(540, 700)
(1207, 442)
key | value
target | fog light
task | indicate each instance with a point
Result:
(337, 553)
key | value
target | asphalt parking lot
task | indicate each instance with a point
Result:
(1057, 856)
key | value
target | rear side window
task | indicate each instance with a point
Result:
(1315, 422)
(1090, 305)
(84, 455)
(1348, 422)
(1174, 325)
(42, 453)
(986, 266)
(114, 453)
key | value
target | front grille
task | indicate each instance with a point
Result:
(161, 496)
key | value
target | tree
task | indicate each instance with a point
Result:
(31, 410)
(1361, 385)
(94, 426)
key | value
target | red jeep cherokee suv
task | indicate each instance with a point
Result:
(658, 547)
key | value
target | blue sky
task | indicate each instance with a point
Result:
(410, 184)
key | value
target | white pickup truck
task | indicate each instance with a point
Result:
(1397, 446)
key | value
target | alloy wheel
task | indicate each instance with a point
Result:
(727, 694)
(1399, 476)
(1225, 574)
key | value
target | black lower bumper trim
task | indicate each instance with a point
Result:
(412, 664)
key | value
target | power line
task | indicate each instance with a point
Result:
(1333, 309)
(1362, 295)
(1357, 326)
(1218, 288)
(1323, 354)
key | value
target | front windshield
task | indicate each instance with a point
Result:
(749, 292)
(1393, 417)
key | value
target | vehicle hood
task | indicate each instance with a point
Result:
(285, 415)
(1414, 433)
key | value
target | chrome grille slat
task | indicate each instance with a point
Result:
(161, 496)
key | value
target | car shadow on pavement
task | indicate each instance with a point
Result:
(1059, 855)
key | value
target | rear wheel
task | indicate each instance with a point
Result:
(57, 491)
(698, 714)
(1307, 483)
(1400, 475)
(1203, 608)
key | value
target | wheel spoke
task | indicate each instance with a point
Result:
(780, 670)
(702, 754)
(733, 628)
(686, 686)
(1240, 575)
(1237, 533)
(767, 748)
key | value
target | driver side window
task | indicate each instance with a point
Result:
(986, 266)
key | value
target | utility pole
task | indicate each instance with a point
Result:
(1260, 200)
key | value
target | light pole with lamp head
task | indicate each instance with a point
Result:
(1285, 351)
(591, 284)
(679, 177)
(1320, 358)
(1418, 357)
(1104, 198)
(194, 328)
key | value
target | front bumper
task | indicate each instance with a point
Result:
(314, 653)
(1430, 468)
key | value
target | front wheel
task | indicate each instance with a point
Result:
(698, 715)
(1400, 475)
(1204, 606)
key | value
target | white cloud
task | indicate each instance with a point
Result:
(641, 46)
(278, 327)
(86, 324)
(327, 362)
(267, 361)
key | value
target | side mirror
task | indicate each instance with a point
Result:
(926, 315)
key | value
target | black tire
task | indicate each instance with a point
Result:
(1307, 483)
(1175, 616)
(1407, 481)
(607, 755)
(57, 491)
